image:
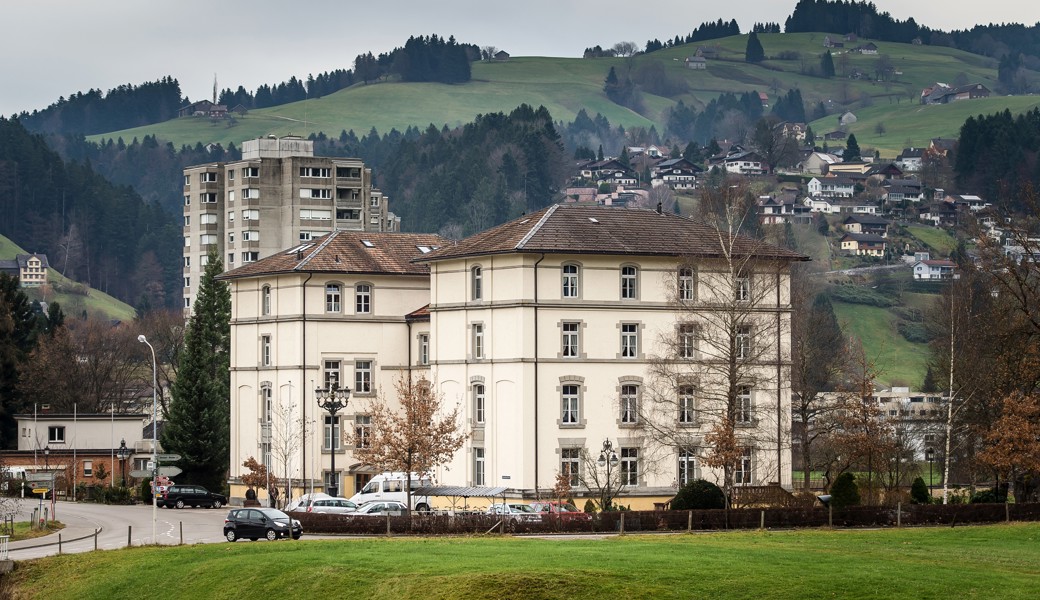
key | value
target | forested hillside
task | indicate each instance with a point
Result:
(91, 230)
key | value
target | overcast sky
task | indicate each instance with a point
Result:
(52, 48)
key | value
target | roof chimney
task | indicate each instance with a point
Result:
(658, 208)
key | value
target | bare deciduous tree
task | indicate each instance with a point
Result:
(413, 436)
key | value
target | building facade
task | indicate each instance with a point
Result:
(278, 195)
(553, 332)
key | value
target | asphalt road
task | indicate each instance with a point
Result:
(119, 525)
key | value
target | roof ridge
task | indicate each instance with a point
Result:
(537, 226)
(321, 246)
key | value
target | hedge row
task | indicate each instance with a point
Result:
(675, 520)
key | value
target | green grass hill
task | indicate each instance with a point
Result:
(566, 85)
(74, 298)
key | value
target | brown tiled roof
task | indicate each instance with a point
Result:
(576, 229)
(420, 314)
(348, 252)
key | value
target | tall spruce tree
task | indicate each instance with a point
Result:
(827, 64)
(198, 424)
(852, 151)
(17, 338)
(754, 53)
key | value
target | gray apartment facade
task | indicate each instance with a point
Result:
(277, 196)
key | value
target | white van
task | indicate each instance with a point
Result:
(391, 486)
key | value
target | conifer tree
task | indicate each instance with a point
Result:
(827, 64)
(852, 151)
(754, 53)
(198, 423)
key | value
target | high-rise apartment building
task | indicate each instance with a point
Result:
(277, 196)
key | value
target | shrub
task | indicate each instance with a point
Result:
(914, 332)
(590, 506)
(844, 491)
(919, 492)
(986, 496)
(854, 294)
(698, 495)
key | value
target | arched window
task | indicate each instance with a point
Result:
(571, 283)
(265, 300)
(629, 283)
(477, 282)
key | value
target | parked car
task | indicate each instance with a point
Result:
(381, 508)
(516, 512)
(180, 496)
(256, 523)
(303, 502)
(564, 511)
(391, 487)
(332, 506)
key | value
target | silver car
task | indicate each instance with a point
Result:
(517, 512)
(332, 506)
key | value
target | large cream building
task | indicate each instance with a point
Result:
(553, 332)
(279, 194)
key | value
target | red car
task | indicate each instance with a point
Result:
(561, 510)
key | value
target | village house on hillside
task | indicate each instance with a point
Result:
(941, 93)
(30, 269)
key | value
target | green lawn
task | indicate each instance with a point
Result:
(964, 562)
(939, 241)
(900, 362)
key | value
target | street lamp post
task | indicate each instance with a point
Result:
(929, 455)
(333, 399)
(123, 453)
(609, 459)
(155, 436)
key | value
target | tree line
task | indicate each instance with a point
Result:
(999, 153)
(122, 107)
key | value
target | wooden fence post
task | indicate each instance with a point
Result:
(129, 535)
(689, 521)
(622, 523)
(762, 520)
(59, 544)
(899, 514)
(182, 532)
(830, 516)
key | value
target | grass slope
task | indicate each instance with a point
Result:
(900, 362)
(566, 85)
(94, 301)
(965, 562)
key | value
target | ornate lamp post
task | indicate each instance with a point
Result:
(123, 453)
(609, 459)
(333, 400)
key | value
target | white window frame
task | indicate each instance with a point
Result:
(477, 282)
(743, 342)
(479, 403)
(331, 440)
(478, 341)
(332, 373)
(687, 471)
(687, 405)
(363, 299)
(333, 297)
(55, 434)
(629, 282)
(363, 377)
(629, 401)
(362, 431)
(629, 340)
(424, 348)
(570, 339)
(629, 466)
(265, 298)
(570, 404)
(88, 468)
(743, 471)
(479, 466)
(570, 465)
(688, 335)
(265, 350)
(570, 281)
(743, 409)
(742, 288)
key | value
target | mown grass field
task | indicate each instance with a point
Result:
(964, 562)
(566, 85)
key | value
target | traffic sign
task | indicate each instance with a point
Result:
(41, 490)
(140, 473)
(170, 471)
(167, 457)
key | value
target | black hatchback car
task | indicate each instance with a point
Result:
(256, 523)
(180, 496)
